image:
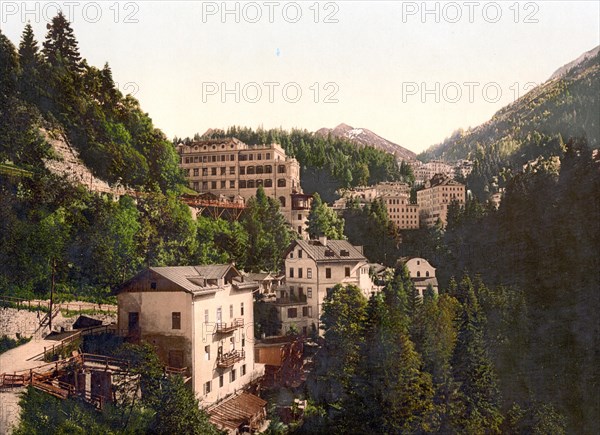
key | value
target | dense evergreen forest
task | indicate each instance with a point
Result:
(326, 163)
(538, 255)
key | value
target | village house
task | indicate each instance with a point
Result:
(312, 269)
(198, 318)
(422, 275)
(230, 168)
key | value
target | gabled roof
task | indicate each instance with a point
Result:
(193, 279)
(333, 250)
(442, 180)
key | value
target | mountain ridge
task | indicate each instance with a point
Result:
(365, 137)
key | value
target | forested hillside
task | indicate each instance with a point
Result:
(327, 163)
(51, 227)
(535, 125)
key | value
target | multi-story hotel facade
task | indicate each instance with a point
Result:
(435, 198)
(234, 169)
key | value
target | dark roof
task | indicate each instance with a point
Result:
(333, 250)
(443, 180)
(236, 411)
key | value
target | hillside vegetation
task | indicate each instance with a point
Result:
(533, 126)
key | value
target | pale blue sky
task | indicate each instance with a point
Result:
(376, 54)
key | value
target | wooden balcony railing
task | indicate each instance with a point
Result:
(291, 300)
(230, 358)
(224, 328)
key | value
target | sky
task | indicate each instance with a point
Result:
(412, 72)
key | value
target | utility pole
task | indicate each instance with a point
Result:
(52, 293)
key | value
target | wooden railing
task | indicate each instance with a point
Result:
(230, 358)
(60, 345)
(224, 328)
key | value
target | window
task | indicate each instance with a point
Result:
(231, 311)
(220, 381)
(250, 170)
(223, 184)
(299, 272)
(282, 200)
(281, 182)
(242, 170)
(232, 170)
(242, 309)
(427, 273)
(309, 273)
(213, 171)
(268, 156)
(219, 315)
(268, 169)
(418, 274)
(153, 285)
(242, 184)
(281, 169)
(291, 272)
(243, 341)
(299, 216)
(250, 184)
(205, 316)
(243, 370)
(223, 170)
(232, 184)
(232, 157)
(175, 320)
(327, 272)
(291, 254)
(292, 313)
(196, 172)
(268, 183)
(259, 156)
(207, 353)
(213, 185)
(299, 250)
(306, 311)
(232, 376)
(309, 292)
(207, 387)
(347, 271)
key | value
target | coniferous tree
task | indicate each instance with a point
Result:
(478, 391)
(323, 221)
(60, 47)
(31, 64)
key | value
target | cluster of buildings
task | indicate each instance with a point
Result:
(200, 319)
(232, 170)
(432, 203)
(425, 171)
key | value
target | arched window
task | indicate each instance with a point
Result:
(418, 274)
(268, 183)
(259, 183)
(281, 182)
(282, 200)
(281, 169)
(427, 273)
(250, 184)
(268, 169)
(242, 184)
(250, 170)
(259, 170)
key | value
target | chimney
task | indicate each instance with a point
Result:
(323, 240)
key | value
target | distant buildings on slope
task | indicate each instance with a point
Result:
(425, 171)
(230, 168)
(432, 201)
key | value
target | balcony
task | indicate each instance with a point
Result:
(225, 328)
(230, 358)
